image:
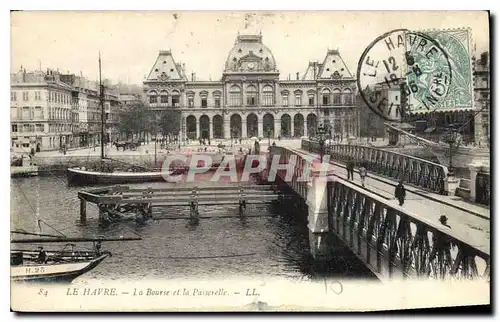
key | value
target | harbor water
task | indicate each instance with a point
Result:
(266, 245)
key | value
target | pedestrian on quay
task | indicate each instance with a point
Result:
(400, 193)
(350, 169)
(362, 173)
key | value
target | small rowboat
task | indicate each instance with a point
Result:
(83, 177)
(57, 268)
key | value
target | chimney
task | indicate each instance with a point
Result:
(297, 76)
(192, 76)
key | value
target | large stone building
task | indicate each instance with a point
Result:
(250, 100)
(50, 110)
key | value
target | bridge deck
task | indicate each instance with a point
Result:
(471, 228)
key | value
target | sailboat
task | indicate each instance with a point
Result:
(82, 176)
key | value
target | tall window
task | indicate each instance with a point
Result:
(311, 99)
(216, 95)
(204, 102)
(235, 96)
(14, 127)
(267, 96)
(336, 97)
(175, 99)
(25, 96)
(13, 96)
(26, 113)
(251, 95)
(348, 96)
(285, 99)
(164, 97)
(153, 99)
(325, 96)
(38, 112)
(298, 98)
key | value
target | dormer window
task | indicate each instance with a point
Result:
(239, 51)
(164, 61)
(261, 51)
(328, 69)
(333, 61)
(235, 60)
(156, 70)
(171, 70)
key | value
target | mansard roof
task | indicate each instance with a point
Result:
(165, 68)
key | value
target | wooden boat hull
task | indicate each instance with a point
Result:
(50, 273)
(82, 177)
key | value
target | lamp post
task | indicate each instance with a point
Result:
(451, 139)
(321, 131)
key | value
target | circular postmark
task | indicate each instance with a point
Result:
(402, 72)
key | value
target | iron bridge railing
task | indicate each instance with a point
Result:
(411, 170)
(394, 242)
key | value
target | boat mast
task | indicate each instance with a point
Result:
(101, 102)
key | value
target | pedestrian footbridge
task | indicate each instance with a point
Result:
(393, 241)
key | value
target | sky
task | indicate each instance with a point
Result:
(129, 41)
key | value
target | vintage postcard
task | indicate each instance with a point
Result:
(249, 161)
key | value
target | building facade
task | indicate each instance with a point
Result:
(50, 110)
(250, 100)
(482, 97)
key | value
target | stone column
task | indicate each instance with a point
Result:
(210, 129)
(277, 127)
(243, 128)
(227, 128)
(260, 126)
(291, 127)
(197, 128)
(474, 170)
(305, 128)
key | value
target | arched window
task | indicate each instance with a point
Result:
(298, 98)
(164, 97)
(337, 100)
(235, 96)
(325, 94)
(348, 96)
(267, 96)
(153, 98)
(251, 95)
(175, 98)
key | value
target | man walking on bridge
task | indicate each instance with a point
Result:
(350, 169)
(400, 193)
(362, 173)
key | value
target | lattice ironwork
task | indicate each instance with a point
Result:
(392, 242)
(411, 170)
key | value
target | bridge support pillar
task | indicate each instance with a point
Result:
(317, 202)
(83, 210)
(474, 168)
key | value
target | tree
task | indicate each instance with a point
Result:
(134, 120)
(170, 122)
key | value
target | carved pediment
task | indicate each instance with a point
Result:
(250, 57)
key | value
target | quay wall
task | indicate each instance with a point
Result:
(59, 163)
